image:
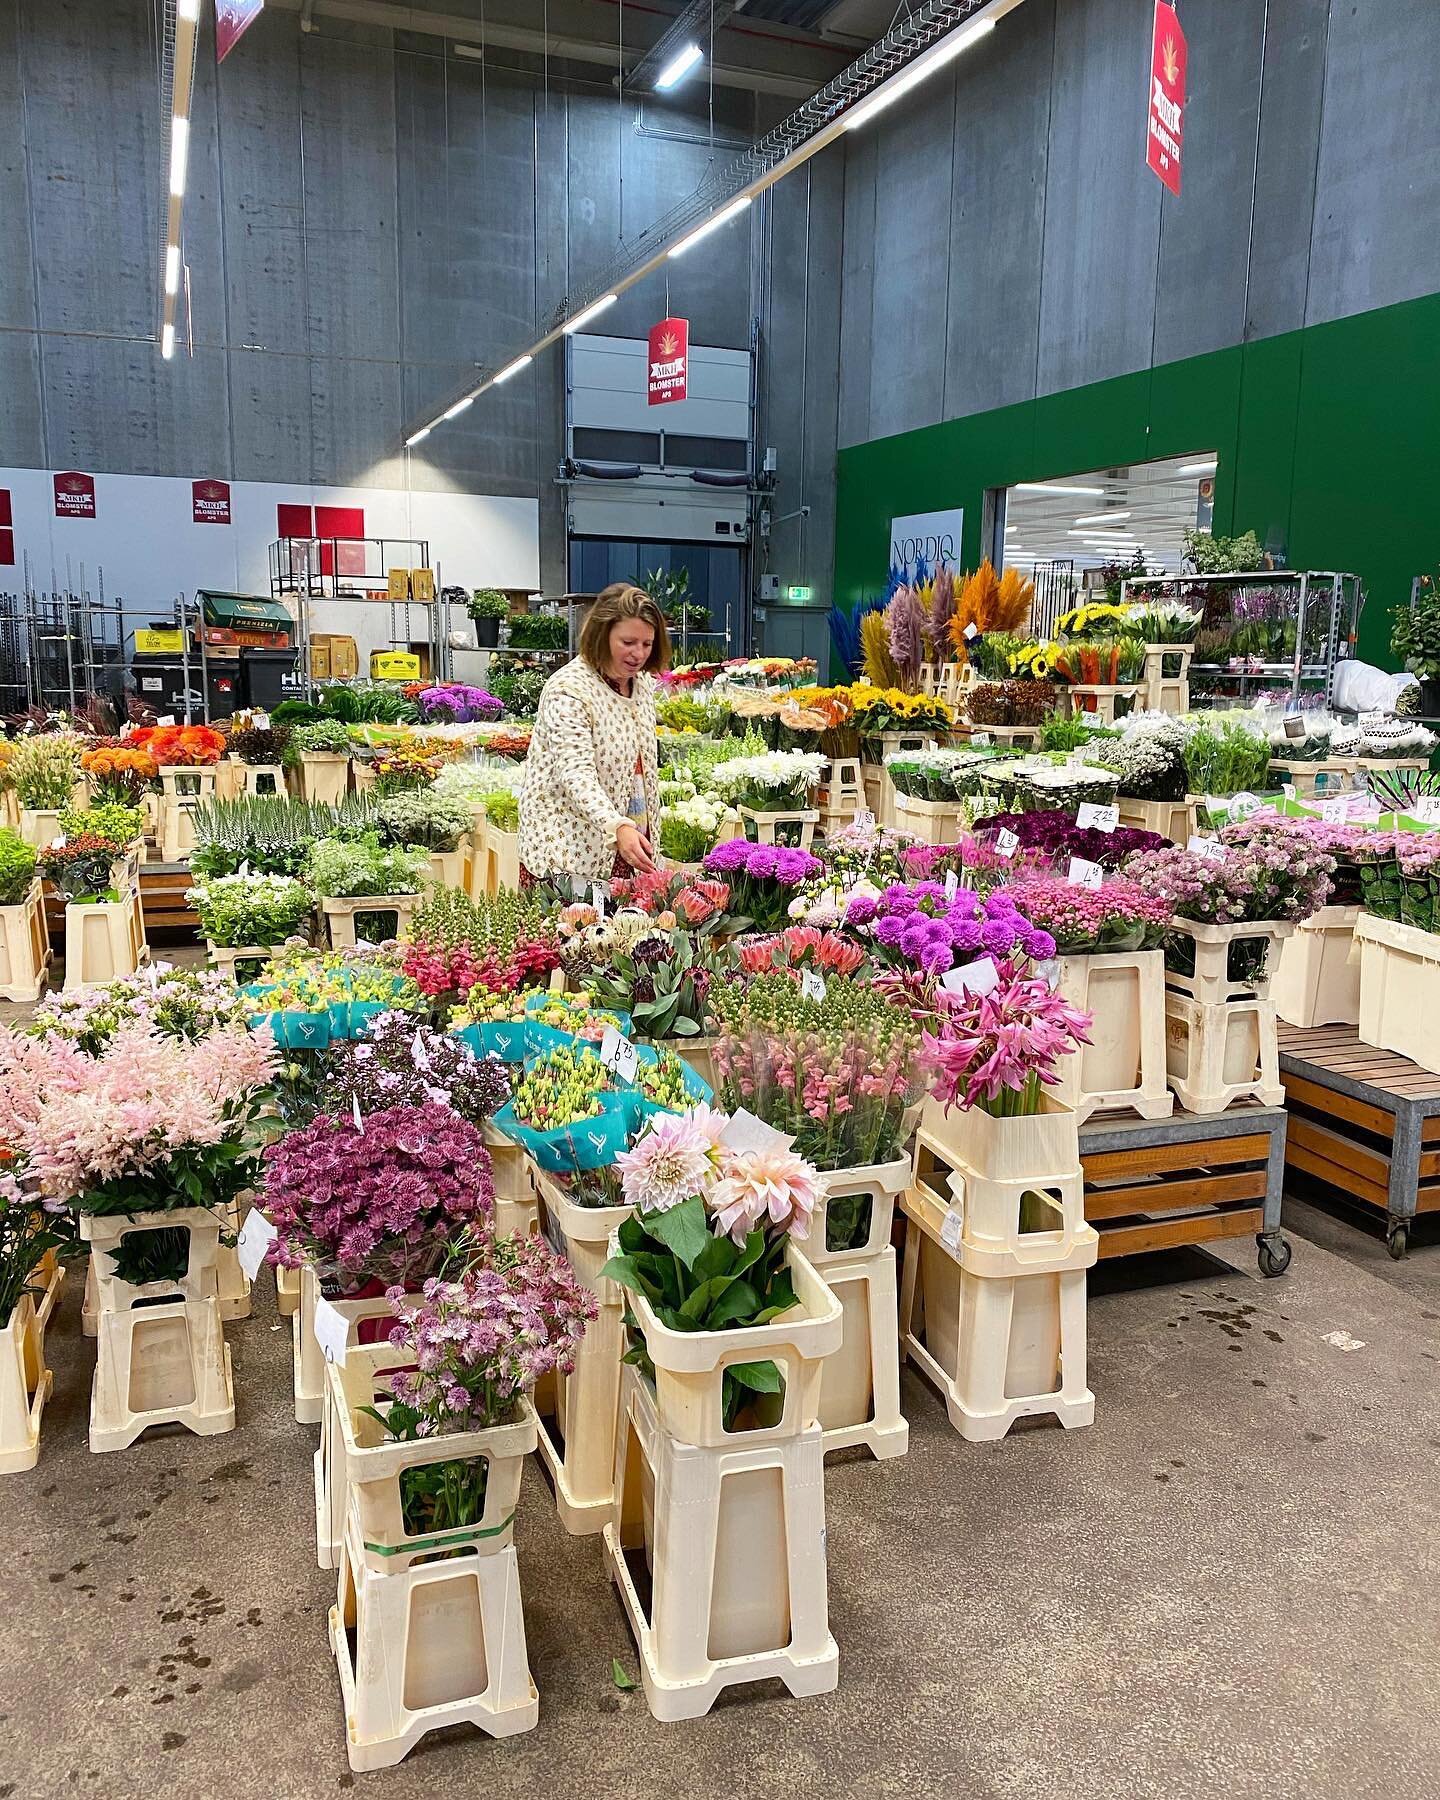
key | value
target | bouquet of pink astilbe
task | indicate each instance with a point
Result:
(998, 1051)
(377, 1201)
(707, 1243)
(479, 1337)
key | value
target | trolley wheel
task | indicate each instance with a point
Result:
(1398, 1242)
(1275, 1254)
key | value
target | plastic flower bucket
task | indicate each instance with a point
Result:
(504, 1038)
(297, 1030)
(588, 1144)
(696, 1087)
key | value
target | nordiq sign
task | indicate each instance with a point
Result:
(932, 538)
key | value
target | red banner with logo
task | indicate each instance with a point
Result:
(1167, 97)
(669, 363)
(210, 502)
(233, 18)
(74, 496)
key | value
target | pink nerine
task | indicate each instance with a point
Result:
(994, 1050)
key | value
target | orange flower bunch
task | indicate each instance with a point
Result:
(183, 746)
(990, 603)
(119, 773)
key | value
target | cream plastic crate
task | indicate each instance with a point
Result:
(264, 779)
(504, 868)
(104, 940)
(25, 952)
(985, 1167)
(363, 775)
(1211, 981)
(324, 776)
(1098, 702)
(1399, 988)
(734, 1543)
(229, 778)
(767, 823)
(227, 958)
(307, 1358)
(25, 1382)
(516, 1214)
(39, 827)
(448, 866)
(232, 1287)
(1124, 1066)
(929, 821)
(690, 1365)
(340, 915)
(843, 795)
(181, 791)
(860, 1382)
(577, 1435)
(880, 795)
(1317, 974)
(1000, 1342)
(1216, 1055)
(1160, 692)
(1012, 737)
(1312, 780)
(1173, 819)
(9, 809)
(477, 870)
(287, 1291)
(698, 1053)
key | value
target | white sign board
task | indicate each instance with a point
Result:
(932, 538)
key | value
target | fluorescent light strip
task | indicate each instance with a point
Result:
(1105, 518)
(418, 437)
(899, 85)
(678, 68)
(514, 368)
(732, 211)
(1055, 487)
(582, 319)
(459, 407)
(172, 268)
(1202, 468)
(167, 342)
(179, 154)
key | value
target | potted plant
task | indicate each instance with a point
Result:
(342, 873)
(320, 751)
(488, 607)
(43, 770)
(249, 913)
(1415, 639)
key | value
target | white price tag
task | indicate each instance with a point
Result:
(355, 1114)
(257, 1234)
(1006, 843)
(1369, 720)
(1084, 874)
(58, 841)
(951, 1229)
(260, 721)
(980, 740)
(166, 719)
(597, 899)
(1288, 790)
(812, 986)
(746, 1134)
(1335, 812)
(245, 869)
(332, 1331)
(1208, 847)
(1048, 971)
(978, 978)
(971, 633)
(864, 821)
(952, 885)
(1427, 809)
(618, 1054)
(1075, 759)
(1092, 817)
(1217, 804)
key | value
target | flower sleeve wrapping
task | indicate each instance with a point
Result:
(572, 749)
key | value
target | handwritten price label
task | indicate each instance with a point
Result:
(747, 1134)
(812, 986)
(332, 1331)
(619, 1055)
(950, 1231)
(1091, 817)
(978, 978)
(952, 885)
(980, 740)
(597, 900)
(864, 821)
(1084, 874)
(1006, 843)
(1210, 848)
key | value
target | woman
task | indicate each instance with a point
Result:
(591, 800)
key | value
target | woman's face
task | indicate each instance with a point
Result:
(631, 641)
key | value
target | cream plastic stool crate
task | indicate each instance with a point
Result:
(1106, 698)
(1173, 819)
(1213, 944)
(25, 1382)
(844, 793)
(477, 870)
(324, 776)
(340, 915)
(766, 823)
(734, 1540)
(698, 1053)
(370, 1363)
(1216, 1055)
(262, 779)
(1317, 975)
(362, 774)
(504, 865)
(930, 822)
(516, 1213)
(104, 940)
(1001, 1340)
(10, 809)
(577, 1441)
(227, 958)
(1399, 988)
(229, 778)
(287, 1291)
(1311, 780)
(448, 866)
(182, 790)
(435, 1643)
(1124, 1067)
(307, 1358)
(25, 952)
(860, 1382)
(984, 1168)
(1013, 737)
(231, 1282)
(1160, 692)
(39, 827)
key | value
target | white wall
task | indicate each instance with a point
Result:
(145, 546)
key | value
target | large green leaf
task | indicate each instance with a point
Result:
(737, 1305)
(683, 1230)
(759, 1377)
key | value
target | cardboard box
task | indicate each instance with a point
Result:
(334, 656)
(422, 586)
(394, 665)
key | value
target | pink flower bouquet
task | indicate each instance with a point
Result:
(998, 1051)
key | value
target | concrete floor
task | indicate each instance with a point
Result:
(1227, 1586)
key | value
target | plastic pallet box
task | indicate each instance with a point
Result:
(1124, 1066)
(1218, 1054)
(1317, 975)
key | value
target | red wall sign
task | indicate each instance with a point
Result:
(7, 529)
(74, 496)
(233, 18)
(1167, 97)
(210, 502)
(669, 361)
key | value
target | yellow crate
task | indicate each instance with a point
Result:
(159, 643)
(394, 665)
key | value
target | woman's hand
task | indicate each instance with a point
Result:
(634, 848)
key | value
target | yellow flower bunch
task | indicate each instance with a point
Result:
(1095, 616)
(870, 702)
(1035, 660)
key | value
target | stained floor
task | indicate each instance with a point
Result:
(1227, 1586)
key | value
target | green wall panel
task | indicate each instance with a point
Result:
(1329, 443)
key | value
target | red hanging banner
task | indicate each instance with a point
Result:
(233, 18)
(74, 496)
(210, 502)
(1167, 97)
(669, 362)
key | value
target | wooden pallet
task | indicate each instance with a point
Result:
(162, 898)
(1363, 1122)
(1160, 1184)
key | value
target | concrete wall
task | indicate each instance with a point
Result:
(369, 217)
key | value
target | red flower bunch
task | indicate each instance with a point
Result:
(512, 744)
(187, 746)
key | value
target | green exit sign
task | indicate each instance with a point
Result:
(799, 593)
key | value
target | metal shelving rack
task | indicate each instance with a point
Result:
(298, 576)
(1335, 598)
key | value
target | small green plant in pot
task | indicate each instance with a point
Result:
(488, 607)
(321, 737)
(17, 868)
(1416, 641)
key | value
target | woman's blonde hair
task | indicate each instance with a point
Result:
(623, 600)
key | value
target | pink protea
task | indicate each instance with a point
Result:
(774, 1187)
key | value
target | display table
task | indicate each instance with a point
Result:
(1157, 1184)
(1363, 1121)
